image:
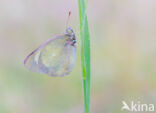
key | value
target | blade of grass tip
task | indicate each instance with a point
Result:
(85, 54)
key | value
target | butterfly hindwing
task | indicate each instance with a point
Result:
(55, 57)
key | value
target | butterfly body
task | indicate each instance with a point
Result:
(55, 57)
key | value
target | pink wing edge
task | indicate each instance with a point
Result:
(40, 46)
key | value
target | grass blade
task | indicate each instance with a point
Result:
(85, 54)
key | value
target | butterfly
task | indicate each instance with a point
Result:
(55, 57)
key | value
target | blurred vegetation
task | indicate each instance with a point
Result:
(123, 55)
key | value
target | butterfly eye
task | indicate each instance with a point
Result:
(69, 31)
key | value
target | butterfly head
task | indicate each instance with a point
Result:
(69, 32)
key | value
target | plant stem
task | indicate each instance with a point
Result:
(85, 54)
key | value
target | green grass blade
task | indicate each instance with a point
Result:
(85, 54)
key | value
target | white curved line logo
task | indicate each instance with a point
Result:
(137, 106)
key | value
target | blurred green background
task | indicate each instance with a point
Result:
(123, 53)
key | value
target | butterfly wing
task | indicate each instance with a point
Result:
(55, 57)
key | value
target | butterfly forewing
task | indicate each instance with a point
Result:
(55, 57)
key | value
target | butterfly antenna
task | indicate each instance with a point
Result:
(68, 19)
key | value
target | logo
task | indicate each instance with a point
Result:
(137, 106)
